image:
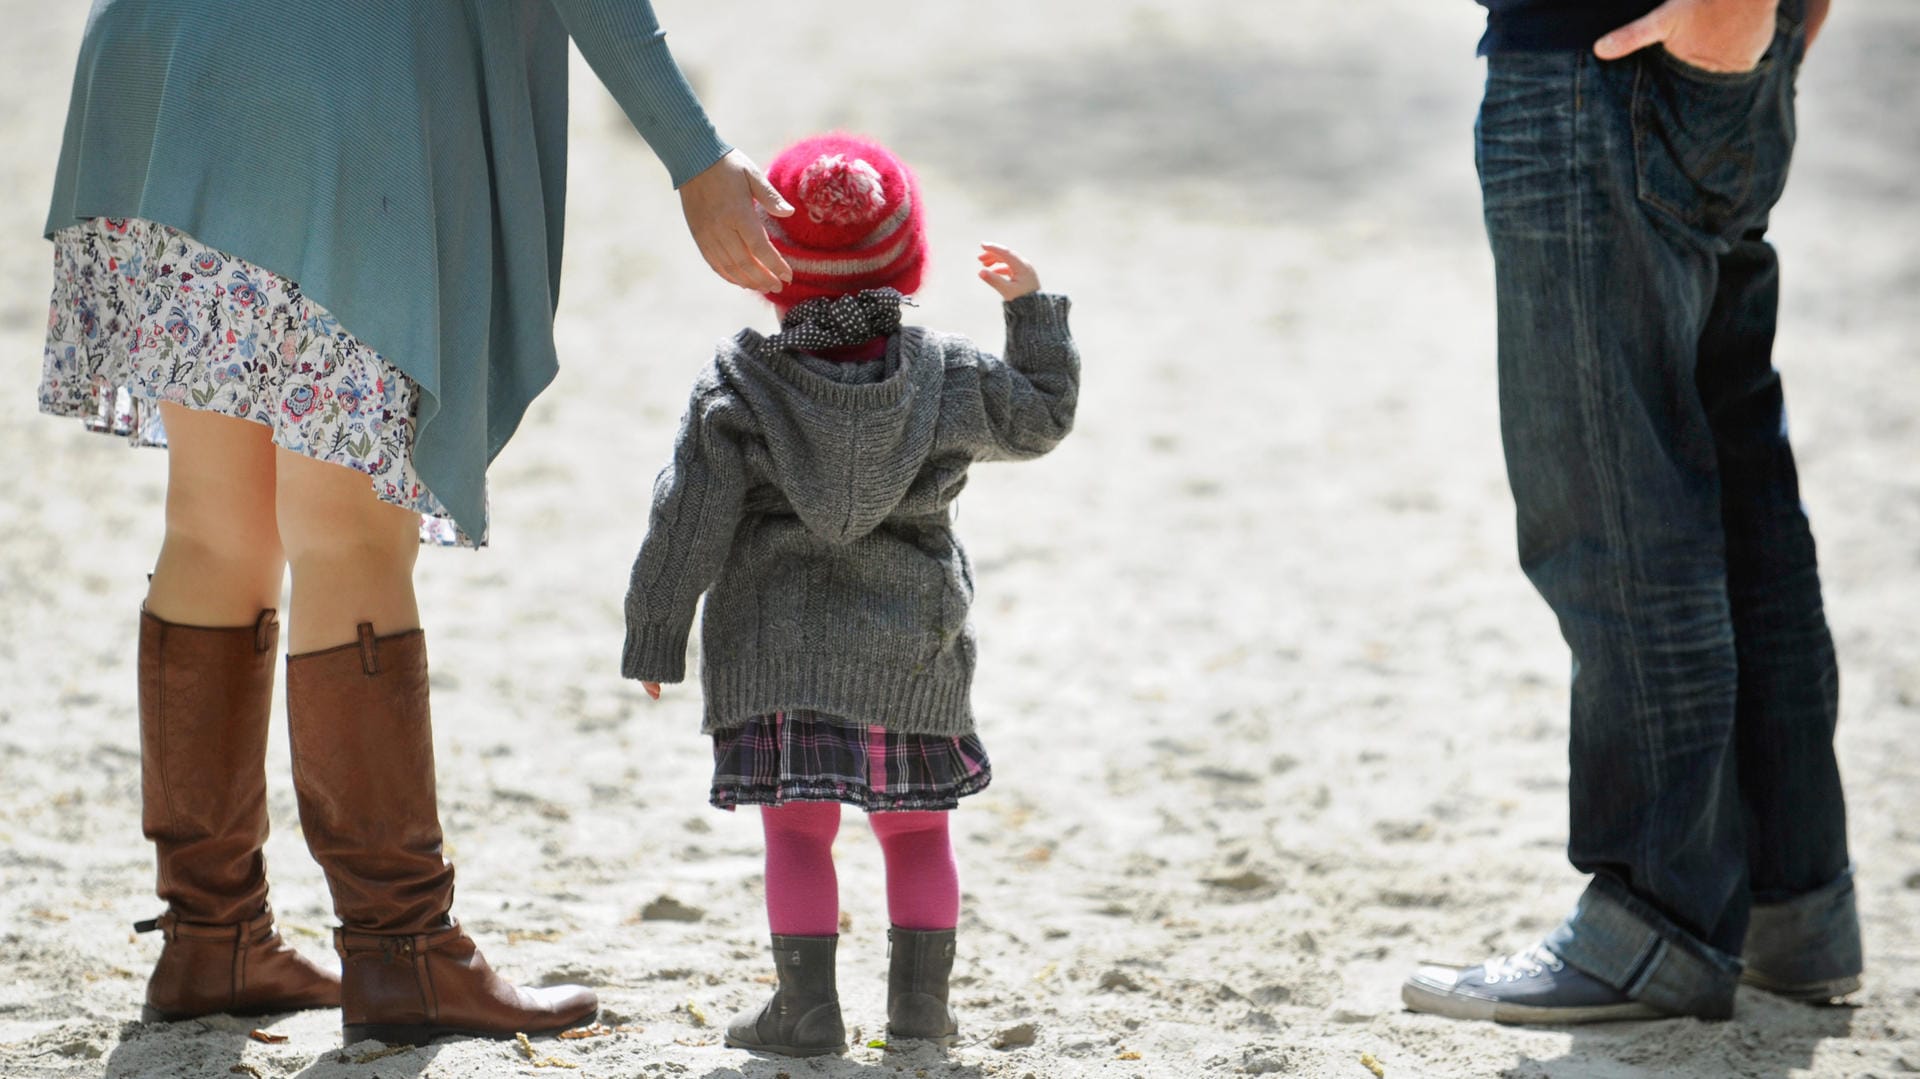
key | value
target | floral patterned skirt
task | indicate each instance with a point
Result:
(810, 757)
(143, 313)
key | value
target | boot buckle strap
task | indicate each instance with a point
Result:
(390, 946)
(172, 928)
(369, 649)
(266, 631)
(394, 946)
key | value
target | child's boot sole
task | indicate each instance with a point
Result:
(787, 1050)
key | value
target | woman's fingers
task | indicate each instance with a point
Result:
(726, 251)
(766, 194)
(748, 271)
(761, 250)
(719, 207)
(720, 260)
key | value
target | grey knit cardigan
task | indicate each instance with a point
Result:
(813, 513)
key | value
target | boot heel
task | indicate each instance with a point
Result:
(415, 1034)
(920, 1016)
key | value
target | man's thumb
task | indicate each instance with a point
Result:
(1646, 30)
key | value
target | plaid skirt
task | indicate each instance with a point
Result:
(810, 757)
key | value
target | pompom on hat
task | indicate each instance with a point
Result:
(856, 224)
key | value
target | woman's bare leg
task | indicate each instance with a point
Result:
(361, 736)
(221, 563)
(206, 661)
(352, 554)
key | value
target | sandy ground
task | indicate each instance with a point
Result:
(1273, 712)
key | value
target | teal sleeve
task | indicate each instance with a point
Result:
(627, 49)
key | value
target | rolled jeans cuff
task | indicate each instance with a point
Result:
(1619, 939)
(1808, 939)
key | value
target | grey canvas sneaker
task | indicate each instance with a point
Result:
(1530, 986)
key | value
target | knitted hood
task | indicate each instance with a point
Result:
(844, 453)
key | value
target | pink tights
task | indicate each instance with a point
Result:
(803, 895)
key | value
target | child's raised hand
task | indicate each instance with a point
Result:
(652, 688)
(1009, 274)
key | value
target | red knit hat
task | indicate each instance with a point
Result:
(856, 222)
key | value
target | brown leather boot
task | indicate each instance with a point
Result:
(363, 770)
(205, 697)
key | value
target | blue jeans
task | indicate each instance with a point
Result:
(1658, 506)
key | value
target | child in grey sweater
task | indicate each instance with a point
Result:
(808, 500)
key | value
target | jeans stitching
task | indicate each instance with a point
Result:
(1603, 450)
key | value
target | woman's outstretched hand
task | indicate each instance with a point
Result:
(652, 688)
(1009, 274)
(719, 205)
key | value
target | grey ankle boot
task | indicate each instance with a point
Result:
(802, 1018)
(921, 961)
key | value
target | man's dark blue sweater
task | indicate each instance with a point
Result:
(1548, 25)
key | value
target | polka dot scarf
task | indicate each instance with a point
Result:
(841, 321)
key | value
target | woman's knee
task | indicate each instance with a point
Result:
(220, 494)
(327, 513)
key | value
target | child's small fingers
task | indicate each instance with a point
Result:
(998, 283)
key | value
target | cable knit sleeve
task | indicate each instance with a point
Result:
(1023, 405)
(627, 49)
(697, 503)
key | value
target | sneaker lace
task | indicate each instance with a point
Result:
(1526, 963)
